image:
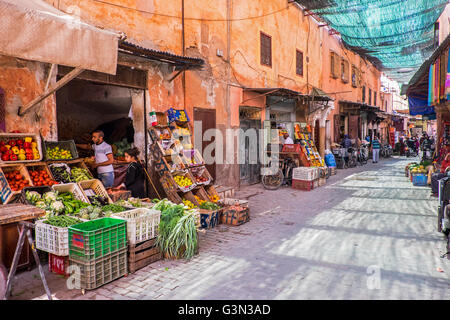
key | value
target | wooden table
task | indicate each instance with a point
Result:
(15, 212)
(10, 216)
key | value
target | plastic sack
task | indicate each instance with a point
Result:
(329, 160)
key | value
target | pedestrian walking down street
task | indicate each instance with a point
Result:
(376, 146)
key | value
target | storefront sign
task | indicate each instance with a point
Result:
(249, 113)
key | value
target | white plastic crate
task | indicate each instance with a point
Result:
(142, 223)
(305, 173)
(72, 188)
(52, 239)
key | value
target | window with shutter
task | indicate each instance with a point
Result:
(335, 65)
(266, 50)
(344, 70)
(370, 96)
(354, 77)
(374, 98)
(299, 63)
(363, 89)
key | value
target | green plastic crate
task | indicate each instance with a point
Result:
(94, 239)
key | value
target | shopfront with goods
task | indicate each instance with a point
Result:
(80, 223)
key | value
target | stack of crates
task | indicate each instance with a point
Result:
(98, 251)
(303, 178)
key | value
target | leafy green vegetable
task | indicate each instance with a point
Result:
(62, 221)
(177, 234)
(113, 207)
(209, 206)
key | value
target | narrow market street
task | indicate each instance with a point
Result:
(364, 220)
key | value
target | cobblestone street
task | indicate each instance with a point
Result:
(322, 244)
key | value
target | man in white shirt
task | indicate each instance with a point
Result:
(287, 139)
(103, 158)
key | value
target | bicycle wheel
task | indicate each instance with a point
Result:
(273, 182)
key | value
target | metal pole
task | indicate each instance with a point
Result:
(146, 135)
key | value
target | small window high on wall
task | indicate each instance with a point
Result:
(2, 110)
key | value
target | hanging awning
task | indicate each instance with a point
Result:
(358, 106)
(34, 30)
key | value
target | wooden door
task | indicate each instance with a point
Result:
(337, 128)
(208, 119)
(353, 127)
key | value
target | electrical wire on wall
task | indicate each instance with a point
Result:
(190, 18)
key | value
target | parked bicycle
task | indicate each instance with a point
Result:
(276, 177)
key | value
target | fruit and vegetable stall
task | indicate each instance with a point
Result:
(85, 225)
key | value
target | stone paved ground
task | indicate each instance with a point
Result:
(329, 243)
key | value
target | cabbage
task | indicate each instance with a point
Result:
(57, 206)
(50, 196)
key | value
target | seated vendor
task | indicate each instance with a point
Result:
(287, 139)
(134, 179)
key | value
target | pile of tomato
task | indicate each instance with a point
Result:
(16, 181)
(41, 178)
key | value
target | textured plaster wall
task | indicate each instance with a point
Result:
(23, 81)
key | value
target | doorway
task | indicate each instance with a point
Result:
(317, 134)
(250, 169)
(208, 120)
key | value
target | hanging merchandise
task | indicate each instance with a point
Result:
(153, 119)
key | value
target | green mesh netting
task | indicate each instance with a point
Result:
(399, 34)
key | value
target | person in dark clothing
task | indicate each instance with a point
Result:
(134, 179)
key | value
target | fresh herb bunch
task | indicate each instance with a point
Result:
(62, 221)
(177, 234)
(209, 206)
(113, 207)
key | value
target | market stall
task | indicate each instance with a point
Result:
(51, 177)
(183, 173)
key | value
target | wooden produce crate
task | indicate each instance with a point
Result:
(168, 184)
(233, 216)
(8, 195)
(209, 218)
(201, 173)
(79, 163)
(201, 193)
(187, 175)
(174, 197)
(142, 254)
(5, 137)
(190, 196)
(211, 192)
(39, 166)
(119, 195)
(97, 188)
